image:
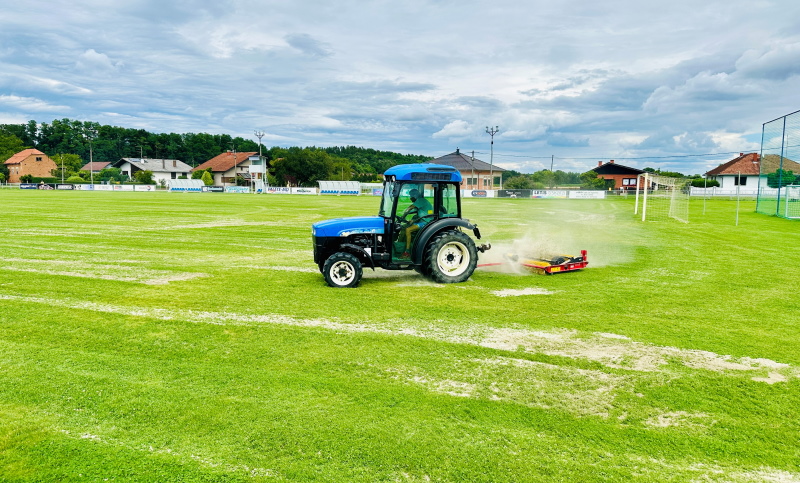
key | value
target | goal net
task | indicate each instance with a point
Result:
(662, 198)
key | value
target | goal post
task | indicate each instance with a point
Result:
(663, 197)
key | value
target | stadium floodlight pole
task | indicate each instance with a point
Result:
(552, 176)
(491, 132)
(259, 135)
(61, 157)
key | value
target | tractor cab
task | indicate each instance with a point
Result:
(419, 226)
(409, 207)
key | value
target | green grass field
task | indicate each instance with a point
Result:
(190, 337)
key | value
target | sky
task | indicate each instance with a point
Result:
(679, 85)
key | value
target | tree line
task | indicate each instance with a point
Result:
(72, 143)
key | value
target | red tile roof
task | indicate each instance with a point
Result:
(752, 164)
(20, 156)
(225, 161)
(95, 165)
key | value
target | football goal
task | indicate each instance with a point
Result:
(662, 198)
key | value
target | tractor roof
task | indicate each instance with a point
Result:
(424, 172)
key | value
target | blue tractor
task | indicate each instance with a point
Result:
(419, 227)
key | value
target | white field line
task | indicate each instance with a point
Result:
(608, 349)
(229, 468)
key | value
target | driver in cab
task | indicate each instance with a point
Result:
(422, 211)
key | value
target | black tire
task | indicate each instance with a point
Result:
(450, 257)
(342, 270)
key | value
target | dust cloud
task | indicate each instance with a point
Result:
(608, 240)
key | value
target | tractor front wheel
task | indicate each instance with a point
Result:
(450, 257)
(342, 270)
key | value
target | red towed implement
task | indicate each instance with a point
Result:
(549, 266)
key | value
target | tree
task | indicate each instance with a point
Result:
(521, 182)
(9, 145)
(72, 164)
(208, 180)
(590, 181)
(111, 174)
(303, 167)
(201, 172)
(144, 176)
(781, 178)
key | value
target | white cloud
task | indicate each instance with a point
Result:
(29, 104)
(93, 62)
(455, 130)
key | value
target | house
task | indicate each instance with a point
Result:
(475, 174)
(95, 166)
(228, 165)
(617, 176)
(746, 169)
(162, 169)
(29, 162)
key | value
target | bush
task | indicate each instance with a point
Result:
(75, 179)
(701, 183)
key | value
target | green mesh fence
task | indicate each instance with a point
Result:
(779, 173)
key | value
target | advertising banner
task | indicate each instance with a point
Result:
(123, 187)
(213, 189)
(587, 195)
(377, 192)
(237, 189)
(144, 187)
(514, 194)
(549, 194)
(279, 190)
(28, 186)
(65, 186)
(98, 187)
(304, 191)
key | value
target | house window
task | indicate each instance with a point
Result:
(174, 175)
(629, 182)
(739, 180)
(472, 181)
(38, 158)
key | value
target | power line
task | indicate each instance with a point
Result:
(614, 157)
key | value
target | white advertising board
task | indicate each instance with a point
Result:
(304, 191)
(587, 195)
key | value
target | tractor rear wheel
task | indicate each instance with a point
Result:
(342, 270)
(450, 257)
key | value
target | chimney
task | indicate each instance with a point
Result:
(741, 154)
(457, 151)
(163, 166)
(599, 163)
(611, 162)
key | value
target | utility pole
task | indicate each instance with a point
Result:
(552, 176)
(491, 132)
(90, 133)
(472, 163)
